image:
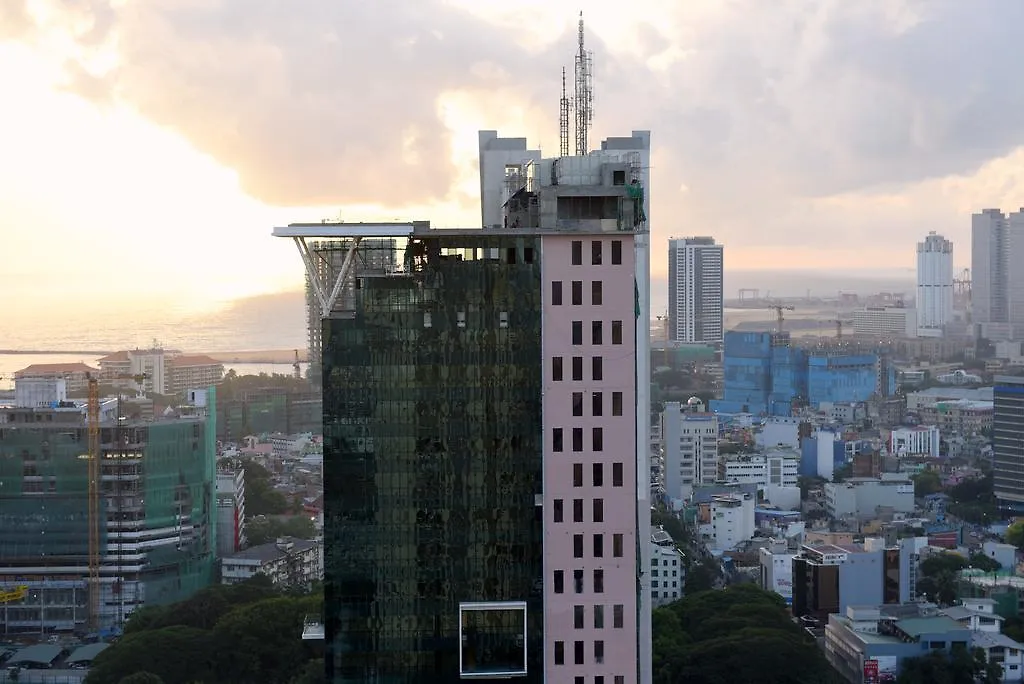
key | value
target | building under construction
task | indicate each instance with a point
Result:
(325, 260)
(145, 536)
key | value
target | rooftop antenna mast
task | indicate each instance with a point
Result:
(564, 107)
(584, 93)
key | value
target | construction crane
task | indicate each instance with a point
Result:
(839, 327)
(296, 367)
(16, 594)
(93, 419)
(779, 318)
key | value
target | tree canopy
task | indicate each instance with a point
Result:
(232, 634)
(260, 496)
(262, 530)
(739, 634)
(959, 667)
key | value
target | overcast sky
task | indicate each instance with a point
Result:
(147, 147)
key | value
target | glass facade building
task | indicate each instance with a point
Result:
(433, 451)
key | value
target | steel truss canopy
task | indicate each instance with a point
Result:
(353, 233)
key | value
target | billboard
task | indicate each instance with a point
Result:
(880, 670)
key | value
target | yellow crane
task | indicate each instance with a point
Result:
(15, 594)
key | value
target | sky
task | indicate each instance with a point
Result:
(147, 147)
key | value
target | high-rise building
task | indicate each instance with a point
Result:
(690, 440)
(997, 285)
(485, 440)
(695, 291)
(1007, 445)
(934, 285)
(156, 522)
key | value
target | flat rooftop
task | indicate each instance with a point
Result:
(422, 229)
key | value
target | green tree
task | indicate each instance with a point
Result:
(739, 634)
(260, 496)
(262, 530)
(312, 673)
(141, 678)
(1015, 534)
(961, 666)
(927, 482)
(178, 655)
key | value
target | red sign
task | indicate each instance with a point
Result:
(870, 672)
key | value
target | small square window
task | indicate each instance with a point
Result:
(557, 510)
(577, 403)
(559, 581)
(616, 252)
(578, 617)
(596, 333)
(617, 545)
(577, 293)
(577, 580)
(556, 292)
(599, 652)
(619, 679)
(617, 616)
(577, 368)
(493, 639)
(616, 474)
(597, 368)
(616, 332)
(597, 403)
(599, 581)
(616, 403)
(556, 368)
(556, 439)
(578, 652)
(577, 510)
(577, 252)
(597, 438)
(599, 511)
(577, 546)
(599, 616)
(577, 333)
(577, 474)
(595, 252)
(598, 474)
(577, 439)
(596, 293)
(528, 255)
(598, 546)
(559, 653)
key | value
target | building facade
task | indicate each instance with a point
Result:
(230, 511)
(695, 290)
(862, 496)
(485, 440)
(934, 285)
(885, 322)
(997, 286)
(1007, 445)
(690, 443)
(287, 562)
(667, 569)
(156, 525)
(921, 440)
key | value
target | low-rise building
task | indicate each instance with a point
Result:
(690, 442)
(921, 440)
(75, 375)
(777, 568)
(288, 562)
(961, 416)
(726, 520)
(667, 570)
(230, 511)
(862, 496)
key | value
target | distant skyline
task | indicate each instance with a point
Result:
(148, 148)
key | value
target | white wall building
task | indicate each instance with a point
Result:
(730, 521)
(230, 512)
(997, 285)
(863, 496)
(779, 467)
(288, 562)
(667, 573)
(695, 293)
(882, 322)
(777, 568)
(824, 452)
(779, 430)
(690, 449)
(921, 440)
(934, 285)
(39, 392)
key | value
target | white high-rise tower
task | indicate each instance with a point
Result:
(934, 285)
(695, 290)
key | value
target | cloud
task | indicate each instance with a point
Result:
(764, 111)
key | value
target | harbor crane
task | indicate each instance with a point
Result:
(779, 318)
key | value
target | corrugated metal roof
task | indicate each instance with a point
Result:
(40, 653)
(87, 653)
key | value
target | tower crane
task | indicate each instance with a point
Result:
(16, 594)
(779, 318)
(296, 367)
(839, 327)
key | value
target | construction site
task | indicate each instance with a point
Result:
(101, 514)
